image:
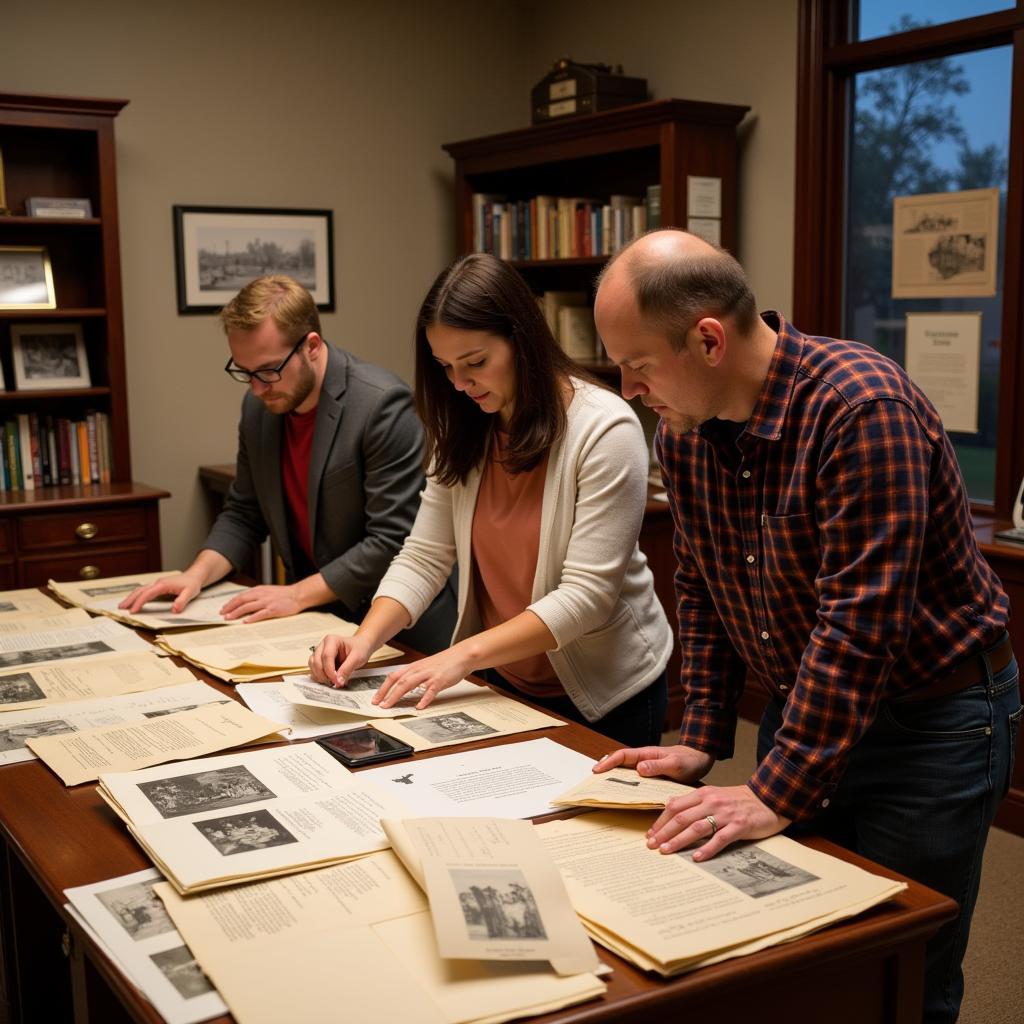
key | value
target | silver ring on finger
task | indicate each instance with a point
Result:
(710, 819)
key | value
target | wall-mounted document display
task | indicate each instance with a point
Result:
(943, 356)
(945, 244)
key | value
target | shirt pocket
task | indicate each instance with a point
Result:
(792, 554)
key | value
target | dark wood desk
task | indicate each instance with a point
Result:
(52, 837)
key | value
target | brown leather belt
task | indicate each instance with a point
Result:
(967, 673)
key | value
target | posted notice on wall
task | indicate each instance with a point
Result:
(944, 359)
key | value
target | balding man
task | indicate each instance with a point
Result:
(825, 549)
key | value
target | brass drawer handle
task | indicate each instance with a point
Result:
(89, 572)
(86, 530)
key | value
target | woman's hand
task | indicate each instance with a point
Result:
(434, 674)
(337, 657)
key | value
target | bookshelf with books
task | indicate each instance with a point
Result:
(556, 199)
(68, 505)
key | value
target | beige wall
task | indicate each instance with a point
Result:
(303, 104)
(727, 51)
(345, 105)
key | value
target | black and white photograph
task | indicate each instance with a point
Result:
(6, 606)
(179, 967)
(49, 356)
(445, 728)
(38, 654)
(19, 688)
(328, 695)
(204, 791)
(219, 250)
(113, 588)
(370, 682)
(497, 904)
(244, 833)
(137, 909)
(26, 278)
(14, 736)
(752, 871)
(160, 712)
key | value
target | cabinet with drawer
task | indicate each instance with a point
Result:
(110, 530)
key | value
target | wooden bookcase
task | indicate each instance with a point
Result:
(64, 147)
(620, 151)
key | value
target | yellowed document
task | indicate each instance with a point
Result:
(621, 788)
(248, 815)
(489, 714)
(202, 610)
(39, 685)
(309, 946)
(58, 618)
(81, 756)
(495, 893)
(18, 727)
(93, 639)
(85, 593)
(679, 914)
(257, 650)
(355, 698)
(15, 603)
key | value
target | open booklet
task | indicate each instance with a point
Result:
(248, 815)
(39, 685)
(355, 940)
(174, 736)
(57, 618)
(669, 914)
(202, 610)
(93, 639)
(494, 891)
(621, 788)
(259, 650)
(126, 919)
(17, 728)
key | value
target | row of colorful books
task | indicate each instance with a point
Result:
(561, 227)
(39, 450)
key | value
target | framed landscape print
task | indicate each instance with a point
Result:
(26, 280)
(219, 249)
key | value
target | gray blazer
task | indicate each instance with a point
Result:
(365, 478)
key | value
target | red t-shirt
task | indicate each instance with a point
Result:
(295, 456)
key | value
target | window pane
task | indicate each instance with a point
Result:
(931, 126)
(874, 18)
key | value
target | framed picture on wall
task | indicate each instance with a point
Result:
(49, 357)
(219, 249)
(26, 279)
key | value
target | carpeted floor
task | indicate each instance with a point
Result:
(994, 992)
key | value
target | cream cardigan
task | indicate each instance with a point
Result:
(592, 588)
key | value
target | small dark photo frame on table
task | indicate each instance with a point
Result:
(357, 747)
(220, 249)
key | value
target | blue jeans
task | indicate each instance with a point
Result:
(918, 796)
(636, 722)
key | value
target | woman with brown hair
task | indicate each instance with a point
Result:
(536, 486)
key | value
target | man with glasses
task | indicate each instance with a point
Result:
(329, 464)
(826, 557)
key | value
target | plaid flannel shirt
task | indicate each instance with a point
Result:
(826, 549)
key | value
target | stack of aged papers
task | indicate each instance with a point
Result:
(216, 821)
(170, 736)
(180, 692)
(15, 603)
(459, 714)
(355, 940)
(52, 618)
(126, 919)
(259, 650)
(669, 914)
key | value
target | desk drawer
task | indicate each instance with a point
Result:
(7, 576)
(5, 537)
(84, 565)
(81, 529)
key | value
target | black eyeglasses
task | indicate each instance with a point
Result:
(271, 375)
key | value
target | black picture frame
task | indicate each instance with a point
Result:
(256, 240)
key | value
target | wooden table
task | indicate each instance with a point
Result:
(51, 837)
